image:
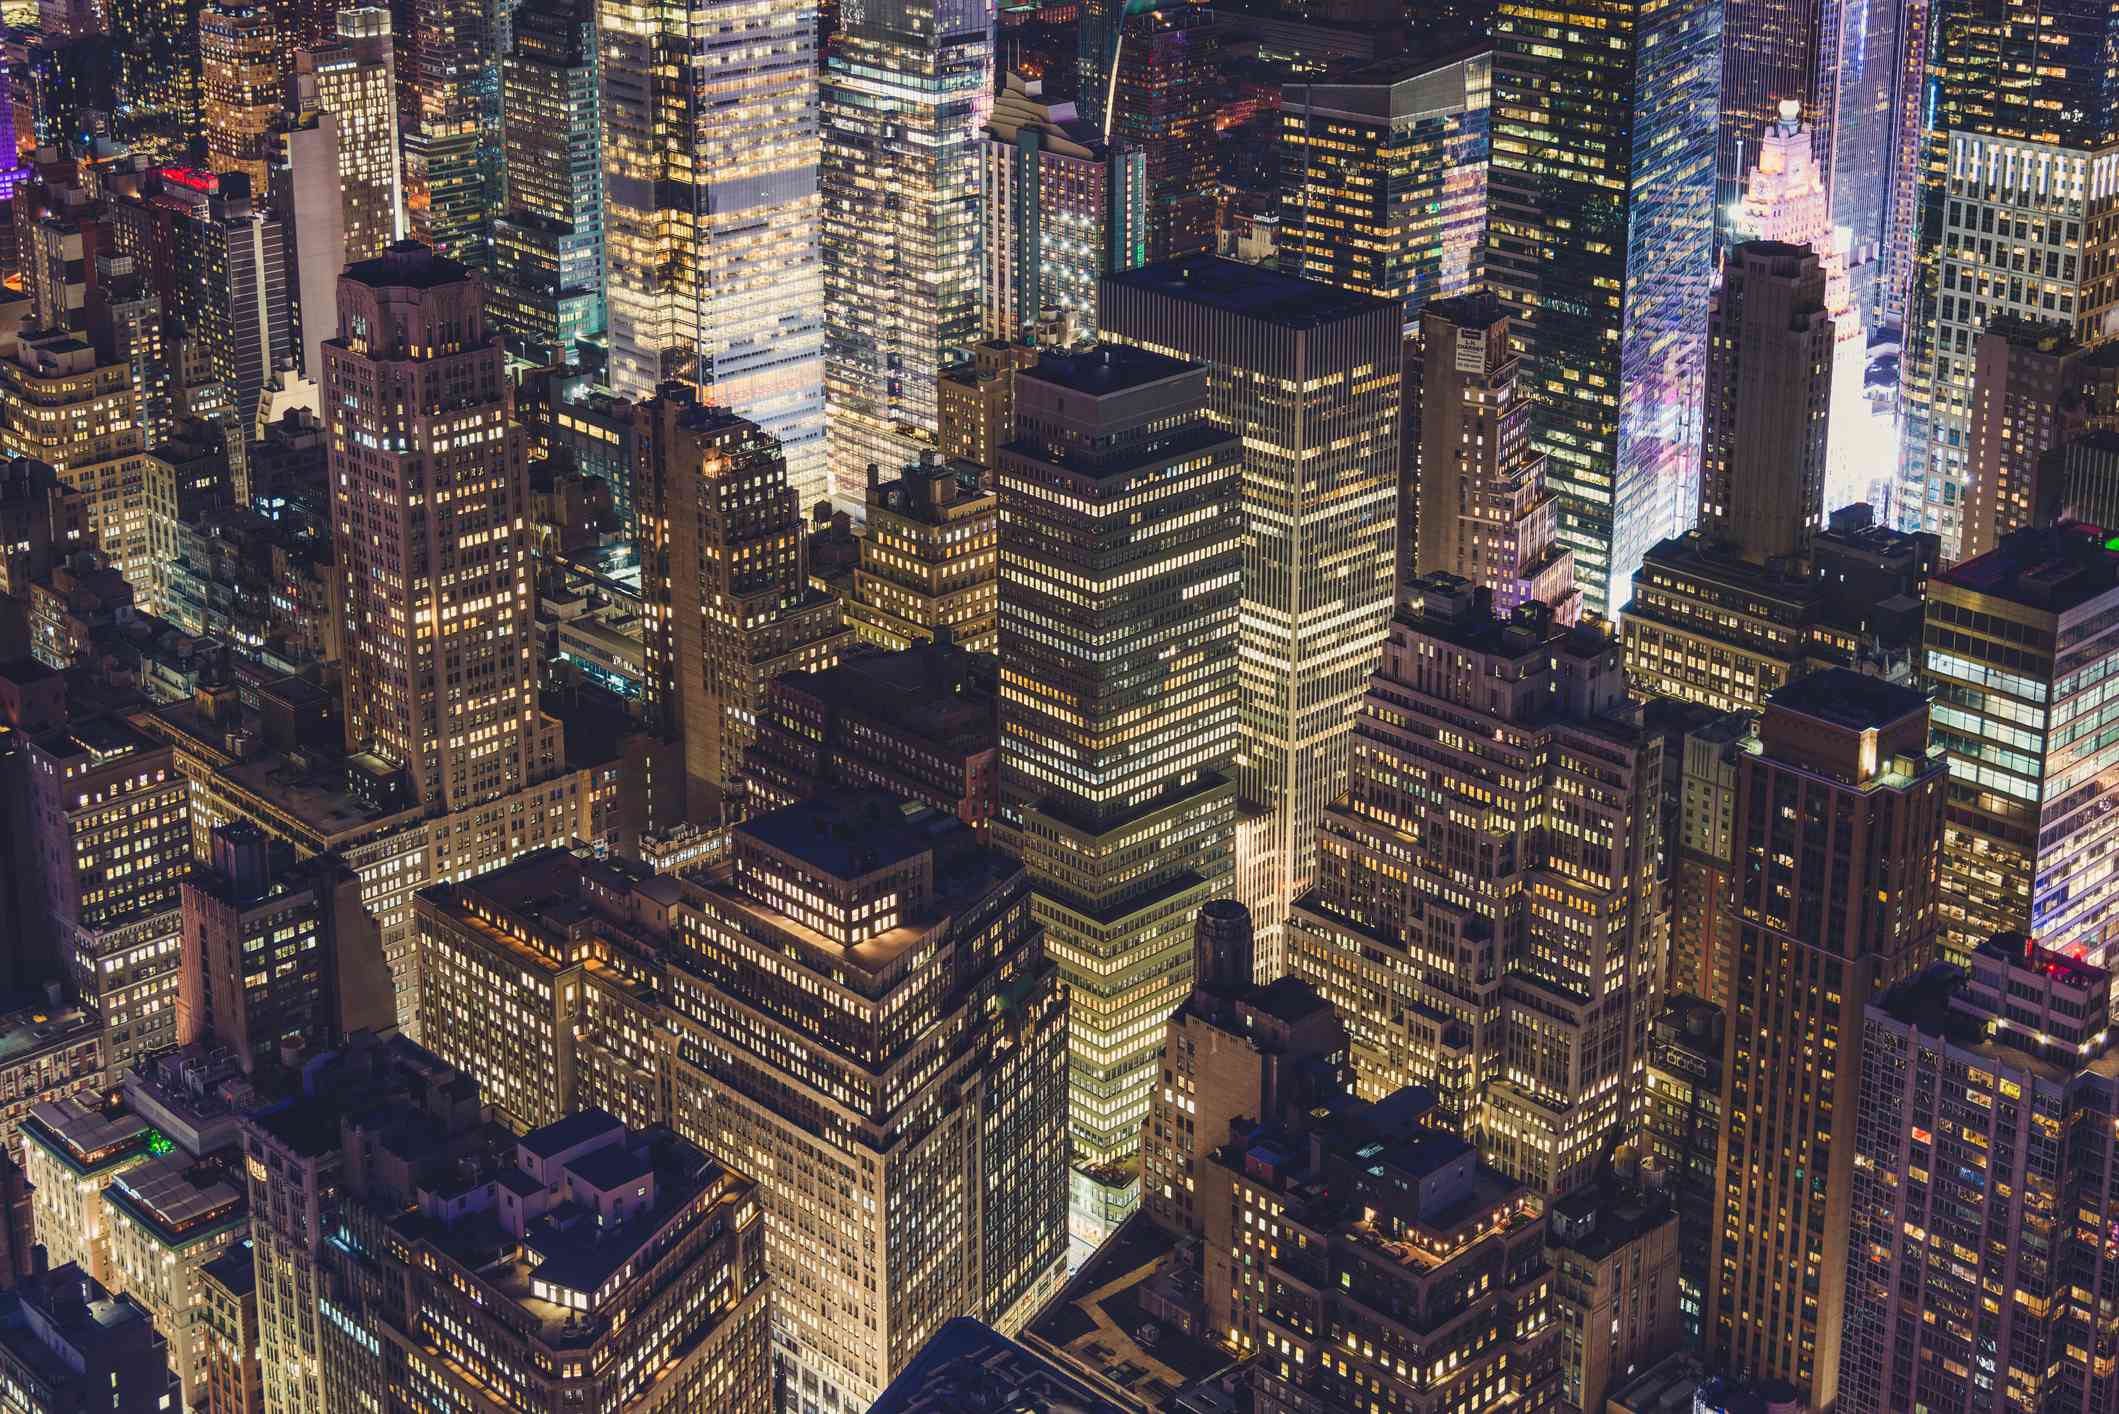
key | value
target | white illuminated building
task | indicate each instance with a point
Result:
(1785, 200)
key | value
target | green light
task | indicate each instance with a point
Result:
(157, 1144)
(2112, 544)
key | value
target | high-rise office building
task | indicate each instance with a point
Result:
(880, 972)
(305, 193)
(78, 413)
(1770, 54)
(1490, 926)
(1873, 67)
(1475, 503)
(1616, 1300)
(1838, 855)
(227, 1317)
(278, 955)
(2017, 183)
(1703, 868)
(233, 295)
(353, 77)
(905, 96)
(1601, 243)
(448, 87)
(430, 485)
(2016, 645)
(239, 60)
(710, 216)
(157, 69)
(1383, 177)
(1062, 207)
(112, 831)
(2026, 234)
(930, 560)
(1770, 347)
(723, 572)
(1310, 380)
(2027, 379)
(2012, 1063)
(1121, 557)
(123, 317)
(547, 290)
(1148, 76)
(71, 1149)
(1785, 200)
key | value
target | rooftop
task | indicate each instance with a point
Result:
(968, 1367)
(1255, 292)
(847, 835)
(1923, 1002)
(32, 1030)
(1107, 369)
(2051, 568)
(235, 1269)
(100, 739)
(407, 265)
(1845, 698)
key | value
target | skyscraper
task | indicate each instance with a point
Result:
(449, 115)
(2026, 380)
(430, 485)
(66, 1342)
(1383, 177)
(2013, 1061)
(1309, 378)
(724, 573)
(2017, 643)
(1601, 243)
(1487, 921)
(2017, 185)
(1478, 507)
(354, 79)
(1770, 347)
(1062, 207)
(929, 561)
(711, 215)
(548, 247)
(63, 405)
(1785, 200)
(1148, 74)
(906, 92)
(1770, 56)
(1874, 65)
(239, 52)
(1120, 560)
(877, 970)
(1838, 856)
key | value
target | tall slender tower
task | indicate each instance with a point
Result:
(1310, 379)
(1785, 200)
(710, 239)
(1158, 97)
(354, 78)
(907, 91)
(1769, 379)
(1120, 558)
(1874, 66)
(239, 49)
(548, 247)
(449, 112)
(430, 485)
(1838, 857)
(1601, 243)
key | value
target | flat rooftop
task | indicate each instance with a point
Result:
(1849, 699)
(1107, 369)
(407, 265)
(968, 1367)
(1255, 292)
(2051, 568)
(846, 835)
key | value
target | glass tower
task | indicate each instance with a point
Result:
(907, 90)
(710, 216)
(548, 248)
(1383, 179)
(1601, 242)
